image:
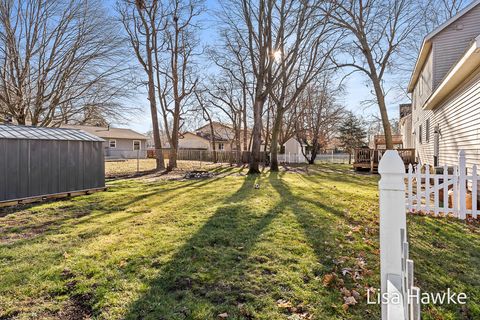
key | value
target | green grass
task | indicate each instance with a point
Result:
(197, 249)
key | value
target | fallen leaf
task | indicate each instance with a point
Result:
(281, 303)
(350, 300)
(328, 278)
(355, 294)
(345, 292)
(223, 315)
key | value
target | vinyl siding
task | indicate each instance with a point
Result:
(423, 88)
(124, 149)
(420, 95)
(450, 44)
(459, 120)
(406, 131)
(191, 141)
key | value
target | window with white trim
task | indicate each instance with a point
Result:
(136, 145)
(112, 143)
(221, 146)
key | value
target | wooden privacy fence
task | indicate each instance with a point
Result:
(452, 191)
(209, 156)
(395, 266)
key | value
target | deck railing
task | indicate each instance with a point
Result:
(364, 155)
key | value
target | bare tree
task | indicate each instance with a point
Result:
(439, 11)
(375, 30)
(60, 61)
(257, 26)
(307, 40)
(176, 66)
(225, 96)
(234, 80)
(319, 117)
(203, 108)
(142, 21)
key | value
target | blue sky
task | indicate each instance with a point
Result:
(355, 85)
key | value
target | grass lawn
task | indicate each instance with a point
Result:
(213, 248)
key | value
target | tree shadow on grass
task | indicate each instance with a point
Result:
(208, 273)
(326, 231)
(208, 269)
(20, 229)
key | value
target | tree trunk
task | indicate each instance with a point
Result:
(313, 155)
(172, 161)
(383, 113)
(380, 97)
(160, 164)
(245, 130)
(274, 143)
(254, 166)
(212, 133)
(238, 143)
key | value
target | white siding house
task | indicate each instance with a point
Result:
(445, 88)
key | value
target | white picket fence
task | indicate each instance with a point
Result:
(395, 266)
(449, 193)
(291, 158)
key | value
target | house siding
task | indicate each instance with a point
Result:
(424, 86)
(191, 141)
(124, 149)
(406, 131)
(450, 44)
(458, 118)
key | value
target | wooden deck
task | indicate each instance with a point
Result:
(368, 159)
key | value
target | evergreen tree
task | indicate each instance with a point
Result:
(352, 134)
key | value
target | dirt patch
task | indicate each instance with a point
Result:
(77, 308)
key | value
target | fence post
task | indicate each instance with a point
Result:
(410, 188)
(462, 184)
(392, 217)
(138, 161)
(474, 191)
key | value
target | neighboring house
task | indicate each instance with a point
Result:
(201, 139)
(119, 143)
(405, 124)
(445, 88)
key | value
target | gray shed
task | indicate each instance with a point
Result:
(42, 162)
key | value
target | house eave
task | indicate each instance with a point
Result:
(427, 44)
(422, 58)
(457, 75)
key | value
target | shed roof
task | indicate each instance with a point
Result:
(42, 133)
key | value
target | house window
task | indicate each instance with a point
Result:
(136, 145)
(221, 146)
(112, 143)
(427, 131)
(420, 134)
